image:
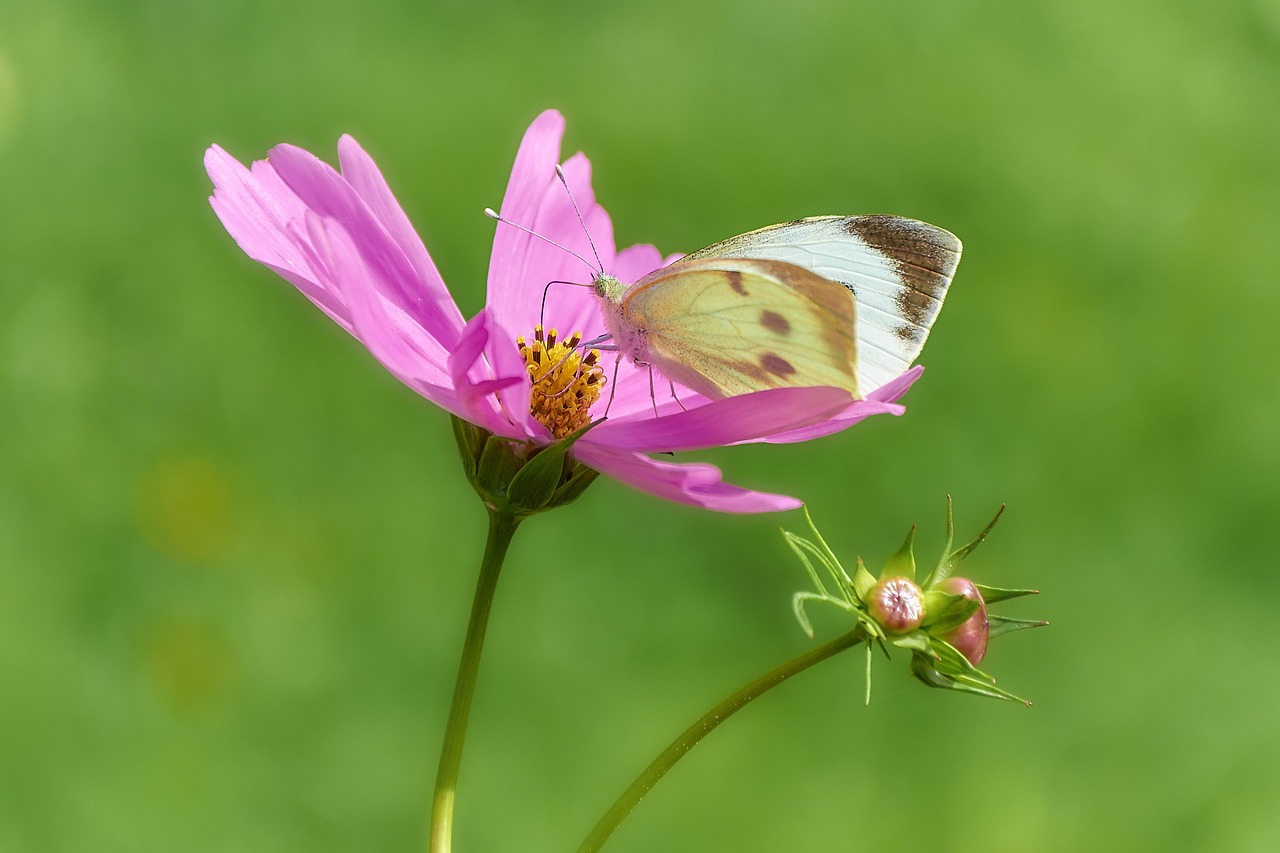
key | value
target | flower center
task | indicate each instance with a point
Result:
(566, 381)
(897, 604)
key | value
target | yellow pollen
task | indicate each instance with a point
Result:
(565, 380)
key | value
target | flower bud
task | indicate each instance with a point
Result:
(897, 604)
(970, 637)
(520, 477)
(943, 621)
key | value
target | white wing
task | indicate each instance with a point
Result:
(898, 269)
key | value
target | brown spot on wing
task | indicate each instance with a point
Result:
(776, 364)
(775, 322)
(735, 281)
(831, 302)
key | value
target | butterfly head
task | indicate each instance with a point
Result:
(609, 288)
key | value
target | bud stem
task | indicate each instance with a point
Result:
(704, 726)
(502, 526)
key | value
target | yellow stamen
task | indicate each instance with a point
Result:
(565, 380)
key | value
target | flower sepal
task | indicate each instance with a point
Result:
(521, 478)
(943, 622)
(945, 610)
(992, 594)
(946, 668)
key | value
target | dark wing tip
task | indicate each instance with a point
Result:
(909, 242)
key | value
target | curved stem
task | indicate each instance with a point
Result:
(502, 526)
(704, 726)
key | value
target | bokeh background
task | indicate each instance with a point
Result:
(236, 555)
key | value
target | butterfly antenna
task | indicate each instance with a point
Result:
(496, 217)
(573, 201)
(542, 312)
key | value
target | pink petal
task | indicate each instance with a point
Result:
(359, 170)
(729, 421)
(881, 401)
(635, 262)
(324, 191)
(570, 308)
(512, 297)
(696, 484)
(469, 370)
(264, 217)
(397, 345)
(536, 200)
(522, 266)
(638, 389)
(469, 349)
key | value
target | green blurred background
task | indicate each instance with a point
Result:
(236, 555)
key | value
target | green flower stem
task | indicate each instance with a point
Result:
(502, 526)
(703, 727)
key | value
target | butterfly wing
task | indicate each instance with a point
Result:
(728, 326)
(898, 269)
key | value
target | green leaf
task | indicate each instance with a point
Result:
(803, 548)
(574, 486)
(830, 556)
(497, 466)
(536, 482)
(1005, 625)
(945, 611)
(869, 655)
(863, 581)
(916, 641)
(471, 440)
(950, 661)
(951, 670)
(937, 574)
(964, 685)
(797, 606)
(992, 594)
(903, 563)
(956, 557)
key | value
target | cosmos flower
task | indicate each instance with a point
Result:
(342, 239)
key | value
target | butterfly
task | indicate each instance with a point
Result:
(844, 301)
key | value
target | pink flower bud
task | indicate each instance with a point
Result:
(897, 604)
(969, 638)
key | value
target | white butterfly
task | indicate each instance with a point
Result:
(764, 309)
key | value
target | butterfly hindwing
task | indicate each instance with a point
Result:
(898, 269)
(728, 326)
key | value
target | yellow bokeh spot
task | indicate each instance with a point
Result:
(184, 508)
(188, 664)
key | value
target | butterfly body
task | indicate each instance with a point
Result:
(843, 301)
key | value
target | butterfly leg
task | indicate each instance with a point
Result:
(672, 385)
(653, 399)
(613, 384)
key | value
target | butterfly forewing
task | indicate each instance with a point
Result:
(729, 326)
(898, 269)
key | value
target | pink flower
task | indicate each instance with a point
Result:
(342, 240)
